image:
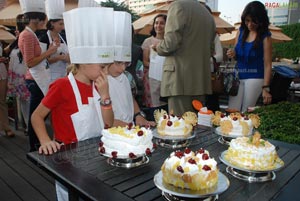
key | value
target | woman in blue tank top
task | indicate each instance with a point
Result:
(253, 52)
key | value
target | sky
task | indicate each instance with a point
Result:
(231, 10)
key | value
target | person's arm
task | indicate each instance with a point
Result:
(218, 50)
(231, 52)
(267, 45)
(48, 146)
(139, 119)
(146, 58)
(173, 31)
(102, 86)
(36, 60)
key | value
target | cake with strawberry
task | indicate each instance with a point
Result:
(235, 124)
(190, 170)
(253, 153)
(172, 125)
(126, 142)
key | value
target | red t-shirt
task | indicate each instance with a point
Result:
(60, 99)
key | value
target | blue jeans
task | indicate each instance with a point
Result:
(36, 96)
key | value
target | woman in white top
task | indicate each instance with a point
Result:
(153, 64)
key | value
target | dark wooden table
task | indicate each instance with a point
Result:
(88, 175)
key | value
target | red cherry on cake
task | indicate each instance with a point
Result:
(140, 133)
(102, 150)
(206, 168)
(130, 126)
(147, 126)
(192, 161)
(100, 144)
(178, 154)
(201, 151)
(179, 168)
(222, 115)
(235, 119)
(246, 118)
(172, 115)
(242, 114)
(114, 154)
(132, 155)
(148, 151)
(169, 123)
(165, 116)
(205, 157)
(187, 151)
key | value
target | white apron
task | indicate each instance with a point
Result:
(59, 68)
(156, 65)
(40, 73)
(121, 98)
(87, 121)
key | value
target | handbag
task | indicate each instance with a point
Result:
(231, 81)
(217, 79)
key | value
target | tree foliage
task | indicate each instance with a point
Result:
(291, 49)
(120, 7)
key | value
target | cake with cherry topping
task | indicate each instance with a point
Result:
(172, 125)
(126, 142)
(236, 124)
(190, 170)
(252, 153)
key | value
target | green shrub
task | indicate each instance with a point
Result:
(280, 122)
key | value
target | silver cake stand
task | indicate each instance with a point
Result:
(173, 142)
(251, 176)
(224, 138)
(172, 193)
(128, 162)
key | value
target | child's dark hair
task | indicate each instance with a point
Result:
(34, 15)
(49, 23)
(152, 32)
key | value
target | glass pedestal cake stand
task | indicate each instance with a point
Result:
(125, 162)
(224, 138)
(173, 142)
(172, 193)
(251, 176)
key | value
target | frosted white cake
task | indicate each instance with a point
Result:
(236, 124)
(173, 125)
(252, 153)
(126, 142)
(190, 170)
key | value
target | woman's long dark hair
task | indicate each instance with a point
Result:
(258, 13)
(34, 15)
(152, 32)
(49, 23)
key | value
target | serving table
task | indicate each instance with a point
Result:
(87, 174)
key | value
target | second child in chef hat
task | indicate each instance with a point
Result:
(125, 107)
(80, 103)
(33, 10)
(57, 62)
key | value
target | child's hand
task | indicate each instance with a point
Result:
(102, 85)
(141, 121)
(49, 148)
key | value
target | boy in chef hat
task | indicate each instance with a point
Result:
(74, 100)
(58, 61)
(125, 107)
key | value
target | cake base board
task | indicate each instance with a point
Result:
(128, 163)
(170, 197)
(251, 177)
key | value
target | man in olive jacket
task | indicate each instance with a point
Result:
(187, 45)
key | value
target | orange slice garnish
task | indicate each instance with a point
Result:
(197, 105)
(207, 112)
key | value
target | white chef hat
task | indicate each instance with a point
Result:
(55, 9)
(32, 6)
(89, 35)
(123, 36)
(89, 3)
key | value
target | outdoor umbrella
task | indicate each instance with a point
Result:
(144, 24)
(5, 35)
(228, 39)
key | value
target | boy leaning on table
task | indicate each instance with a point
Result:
(80, 104)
